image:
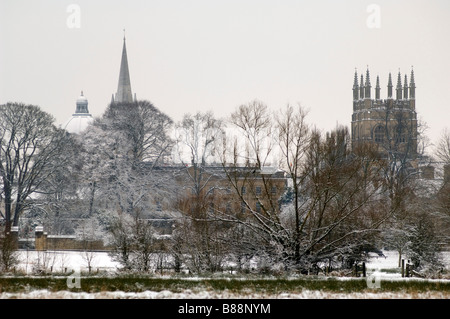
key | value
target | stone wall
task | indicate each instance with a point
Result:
(43, 241)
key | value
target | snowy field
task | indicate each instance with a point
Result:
(381, 268)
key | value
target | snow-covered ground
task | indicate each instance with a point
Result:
(380, 268)
(65, 261)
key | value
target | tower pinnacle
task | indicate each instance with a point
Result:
(367, 85)
(412, 86)
(405, 88)
(390, 86)
(355, 87)
(361, 88)
(399, 86)
(377, 89)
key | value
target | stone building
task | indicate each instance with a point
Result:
(230, 190)
(390, 123)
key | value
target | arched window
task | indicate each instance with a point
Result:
(378, 133)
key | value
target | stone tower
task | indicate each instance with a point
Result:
(391, 123)
(123, 94)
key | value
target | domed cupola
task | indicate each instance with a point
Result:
(80, 120)
(82, 104)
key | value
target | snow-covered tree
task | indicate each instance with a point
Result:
(123, 150)
(124, 153)
(424, 246)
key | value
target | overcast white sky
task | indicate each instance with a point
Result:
(198, 55)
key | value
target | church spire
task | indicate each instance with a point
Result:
(124, 94)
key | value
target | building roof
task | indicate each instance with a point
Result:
(78, 123)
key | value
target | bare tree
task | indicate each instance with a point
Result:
(401, 142)
(342, 193)
(254, 122)
(121, 240)
(294, 135)
(28, 143)
(132, 242)
(330, 211)
(398, 146)
(58, 198)
(198, 138)
(8, 254)
(442, 198)
(144, 130)
(443, 147)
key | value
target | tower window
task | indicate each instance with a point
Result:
(399, 134)
(378, 134)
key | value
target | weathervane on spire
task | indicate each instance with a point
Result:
(124, 34)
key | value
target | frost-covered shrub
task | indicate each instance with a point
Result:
(424, 248)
